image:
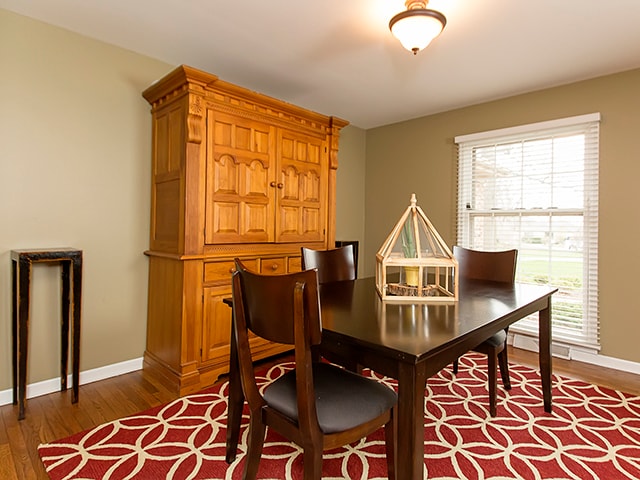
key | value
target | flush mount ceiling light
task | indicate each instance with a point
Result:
(417, 26)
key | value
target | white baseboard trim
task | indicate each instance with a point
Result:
(572, 352)
(53, 385)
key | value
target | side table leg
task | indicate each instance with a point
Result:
(77, 310)
(64, 323)
(24, 293)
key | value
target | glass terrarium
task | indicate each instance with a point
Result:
(414, 263)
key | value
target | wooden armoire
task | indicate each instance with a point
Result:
(234, 174)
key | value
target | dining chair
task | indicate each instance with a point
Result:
(335, 265)
(494, 267)
(317, 405)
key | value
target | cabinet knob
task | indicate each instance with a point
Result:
(274, 267)
(279, 185)
(232, 270)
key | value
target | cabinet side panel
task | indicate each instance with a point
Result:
(167, 216)
(166, 191)
(164, 323)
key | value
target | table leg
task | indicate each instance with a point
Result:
(236, 402)
(544, 329)
(76, 281)
(410, 423)
(64, 323)
(24, 294)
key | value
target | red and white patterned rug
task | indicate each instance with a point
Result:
(593, 433)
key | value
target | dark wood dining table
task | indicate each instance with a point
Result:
(410, 342)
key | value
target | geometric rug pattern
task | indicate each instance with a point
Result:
(592, 433)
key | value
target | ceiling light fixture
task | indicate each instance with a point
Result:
(417, 26)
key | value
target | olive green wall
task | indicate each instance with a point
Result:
(419, 156)
(350, 188)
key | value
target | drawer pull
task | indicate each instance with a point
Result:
(274, 267)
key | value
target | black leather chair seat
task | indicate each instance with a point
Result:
(497, 339)
(335, 390)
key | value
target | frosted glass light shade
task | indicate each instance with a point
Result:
(416, 28)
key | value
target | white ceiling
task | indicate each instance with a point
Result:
(337, 57)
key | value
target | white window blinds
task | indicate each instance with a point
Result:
(535, 188)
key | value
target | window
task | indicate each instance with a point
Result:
(535, 188)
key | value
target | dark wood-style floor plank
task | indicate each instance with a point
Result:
(25, 467)
(595, 374)
(52, 416)
(7, 466)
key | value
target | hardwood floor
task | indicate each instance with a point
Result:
(52, 416)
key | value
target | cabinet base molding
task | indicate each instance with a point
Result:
(205, 376)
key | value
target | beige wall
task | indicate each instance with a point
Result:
(419, 156)
(75, 136)
(75, 143)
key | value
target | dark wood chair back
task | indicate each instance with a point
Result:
(335, 265)
(270, 317)
(317, 405)
(490, 266)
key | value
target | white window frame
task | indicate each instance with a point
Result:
(565, 340)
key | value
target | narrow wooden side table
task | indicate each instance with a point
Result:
(71, 263)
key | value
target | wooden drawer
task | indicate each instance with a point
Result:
(220, 272)
(295, 264)
(273, 266)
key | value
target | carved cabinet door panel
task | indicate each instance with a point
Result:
(302, 181)
(216, 327)
(240, 180)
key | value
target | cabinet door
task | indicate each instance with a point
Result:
(241, 184)
(216, 333)
(302, 181)
(216, 327)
